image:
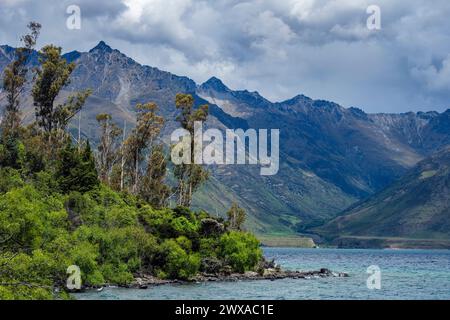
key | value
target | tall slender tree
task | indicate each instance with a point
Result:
(144, 136)
(51, 78)
(108, 148)
(15, 79)
(153, 188)
(123, 157)
(236, 217)
(190, 176)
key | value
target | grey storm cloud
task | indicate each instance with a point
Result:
(321, 48)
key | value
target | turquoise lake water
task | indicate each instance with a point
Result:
(405, 274)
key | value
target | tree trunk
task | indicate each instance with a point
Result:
(122, 165)
(136, 171)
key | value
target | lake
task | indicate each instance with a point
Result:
(405, 274)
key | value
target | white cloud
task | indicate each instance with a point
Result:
(435, 78)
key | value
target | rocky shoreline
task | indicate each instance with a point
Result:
(146, 281)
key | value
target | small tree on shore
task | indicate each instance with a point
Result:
(236, 217)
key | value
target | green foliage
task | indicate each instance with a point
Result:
(15, 79)
(12, 153)
(190, 176)
(76, 170)
(110, 236)
(153, 189)
(25, 268)
(177, 262)
(209, 247)
(52, 76)
(171, 223)
(9, 179)
(28, 219)
(236, 217)
(55, 212)
(240, 250)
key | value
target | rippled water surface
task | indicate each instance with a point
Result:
(405, 274)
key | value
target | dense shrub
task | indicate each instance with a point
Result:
(9, 179)
(240, 250)
(177, 262)
(48, 224)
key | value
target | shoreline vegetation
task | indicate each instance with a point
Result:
(112, 212)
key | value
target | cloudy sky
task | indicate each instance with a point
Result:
(280, 48)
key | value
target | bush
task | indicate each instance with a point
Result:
(240, 250)
(9, 179)
(209, 247)
(182, 226)
(117, 274)
(178, 264)
(120, 217)
(26, 269)
(29, 219)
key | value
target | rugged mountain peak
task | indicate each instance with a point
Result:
(296, 100)
(214, 84)
(72, 56)
(358, 113)
(101, 47)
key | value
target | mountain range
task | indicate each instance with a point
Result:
(331, 157)
(416, 208)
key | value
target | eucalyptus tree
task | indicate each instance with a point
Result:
(143, 137)
(190, 176)
(52, 77)
(15, 80)
(108, 150)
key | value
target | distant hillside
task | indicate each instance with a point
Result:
(415, 207)
(331, 157)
